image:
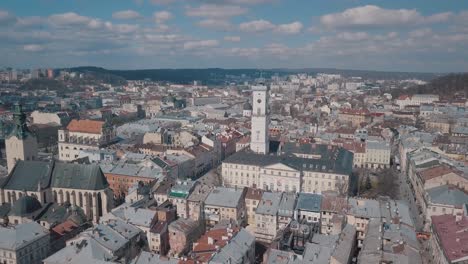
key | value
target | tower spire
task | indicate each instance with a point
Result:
(21, 129)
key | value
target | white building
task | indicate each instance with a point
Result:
(289, 174)
(260, 119)
(417, 99)
(24, 243)
(49, 118)
(81, 135)
(377, 154)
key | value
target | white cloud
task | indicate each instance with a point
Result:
(6, 17)
(352, 36)
(191, 45)
(243, 52)
(162, 16)
(162, 2)
(248, 2)
(164, 38)
(30, 21)
(126, 14)
(124, 28)
(419, 33)
(215, 24)
(215, 11)
(264, 25)
(256, 26)
(69, 18)
(374, 16)
(292, 28)
(232, 38)
(33, 47)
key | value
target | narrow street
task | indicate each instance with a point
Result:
(405, 193)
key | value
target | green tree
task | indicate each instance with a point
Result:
(368, 183)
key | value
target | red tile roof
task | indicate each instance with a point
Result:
(254, 194)
(210, 242)
(65, 227)
(334, 204)
(453, 235)
(350, 111)
(436, 172)
(86, 126)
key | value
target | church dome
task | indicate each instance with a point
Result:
(247, 106)
(25, 205)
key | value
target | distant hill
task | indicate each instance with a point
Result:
(43, 84)
(446, 86)
(97, 75)
(221, 76)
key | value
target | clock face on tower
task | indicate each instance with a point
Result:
(259, 100)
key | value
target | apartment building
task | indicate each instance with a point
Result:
(24, 243)
(225, 204)
(82, 135)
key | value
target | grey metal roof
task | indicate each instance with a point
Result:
(56, 214)
(224, 197)
(448, 195)
(28, 175)
(114, 234)
(269, 203)
(276, 256)
(364, 208)
(13, 238)
(135, 216)
(153, 258)
(286, 206)
(344, 248)
(340, 161)
(235, 250)
(78, 176)
(86, 250)
(309, 202)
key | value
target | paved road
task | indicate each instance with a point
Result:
(406, 193)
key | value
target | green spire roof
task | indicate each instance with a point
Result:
(20, 129)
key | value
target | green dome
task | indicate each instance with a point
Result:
(25, 205)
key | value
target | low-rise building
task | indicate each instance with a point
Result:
(377, 154)
(115, 241)
(224, 245)
(182, 234)
(252, 200)
(308, 208)
(24, 243)
(445, 199)
(225, 204)
(449, 238)
(332, 213)
(266, 217)
(388, 242)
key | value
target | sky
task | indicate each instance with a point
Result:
(389, 35)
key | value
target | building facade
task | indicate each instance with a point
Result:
(81, 135)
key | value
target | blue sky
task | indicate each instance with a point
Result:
(394, 35)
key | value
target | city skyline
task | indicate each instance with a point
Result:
(420, 36)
